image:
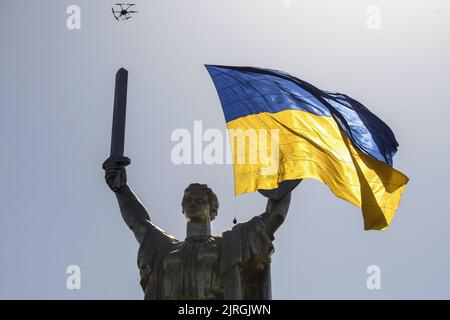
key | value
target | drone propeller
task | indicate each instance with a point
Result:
(114, 14)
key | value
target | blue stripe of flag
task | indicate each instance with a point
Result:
(246, 90)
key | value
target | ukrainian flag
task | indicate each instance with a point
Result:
(321, 135)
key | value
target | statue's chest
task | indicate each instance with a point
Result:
(191, 271)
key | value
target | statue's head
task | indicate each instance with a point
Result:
(199, 203)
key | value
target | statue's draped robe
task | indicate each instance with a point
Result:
(234, 266)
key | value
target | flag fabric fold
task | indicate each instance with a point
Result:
(311, 134)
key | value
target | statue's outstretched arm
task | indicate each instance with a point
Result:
(133, 212)
(276, 212)
(278, 203)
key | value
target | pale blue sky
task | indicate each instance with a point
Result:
(56, 90)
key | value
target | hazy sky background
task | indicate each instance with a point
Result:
(56, 99)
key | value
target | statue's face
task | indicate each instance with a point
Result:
(197, 206)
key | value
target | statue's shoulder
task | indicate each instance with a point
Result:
(155, 245)
(246, 244)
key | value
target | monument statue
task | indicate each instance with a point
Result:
(233, 266)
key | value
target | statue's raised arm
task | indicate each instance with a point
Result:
(276, 212)
(278, 204)
(133, 212)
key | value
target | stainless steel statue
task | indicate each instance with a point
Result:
(235, 265)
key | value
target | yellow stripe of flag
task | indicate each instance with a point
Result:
(312, 146)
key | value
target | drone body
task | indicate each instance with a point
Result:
(123, 12)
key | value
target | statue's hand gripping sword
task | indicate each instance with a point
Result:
(116, 158)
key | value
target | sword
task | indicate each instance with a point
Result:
(116, 158)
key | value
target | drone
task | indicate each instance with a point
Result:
(123, 12)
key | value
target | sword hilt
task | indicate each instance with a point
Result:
(115, 162)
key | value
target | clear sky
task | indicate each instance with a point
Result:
(56, 98)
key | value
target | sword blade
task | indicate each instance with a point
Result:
(119, 115)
